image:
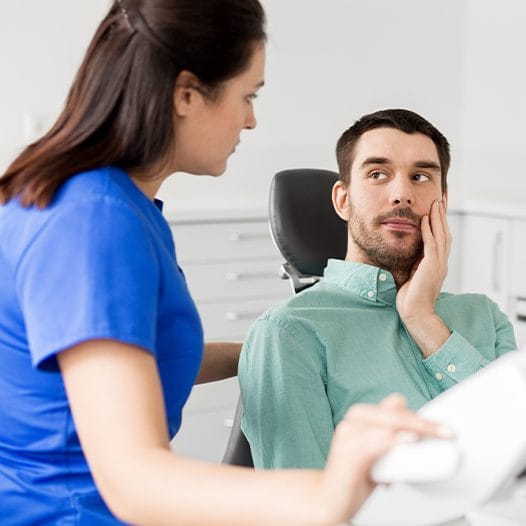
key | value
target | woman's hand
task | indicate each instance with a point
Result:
(362, 437)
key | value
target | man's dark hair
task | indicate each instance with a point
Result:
(399, 119)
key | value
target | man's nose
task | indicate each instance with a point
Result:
(402, 194)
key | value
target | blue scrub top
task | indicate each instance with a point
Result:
(99, 262)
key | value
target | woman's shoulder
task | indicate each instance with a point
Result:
(105, 183)
(94, 204)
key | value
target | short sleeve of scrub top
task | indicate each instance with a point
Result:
(90, 273)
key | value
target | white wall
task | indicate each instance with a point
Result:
(493, 138)
(458, 62)
(41, 45)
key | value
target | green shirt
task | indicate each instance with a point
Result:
(341, 342)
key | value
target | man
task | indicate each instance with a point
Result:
(377, 322)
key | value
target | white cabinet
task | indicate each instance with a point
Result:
(493, 259)
(517, 294)
(233, 272)
(518, 256)
(486, 257)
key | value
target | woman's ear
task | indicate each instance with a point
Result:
(187, 93)
(340, 199)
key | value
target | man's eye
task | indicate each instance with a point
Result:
(421, 177)
(251, 97)
(377, 175)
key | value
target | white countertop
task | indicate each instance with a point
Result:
(215, 215)
(479, 207)
(491, 208)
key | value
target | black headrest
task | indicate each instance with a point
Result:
(304, 225)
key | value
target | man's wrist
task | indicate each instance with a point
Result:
(429, 332)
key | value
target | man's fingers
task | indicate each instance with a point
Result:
(445, 226)
(431, 250)
(435, 233)
(437, 223)
(427, 235)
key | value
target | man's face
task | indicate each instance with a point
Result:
(395, 177)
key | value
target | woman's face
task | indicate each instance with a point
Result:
(208, 131)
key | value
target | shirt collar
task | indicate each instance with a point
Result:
(370, 283)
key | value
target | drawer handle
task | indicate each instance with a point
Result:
(245, 236)
(520, 309)
(237, 276)
(235, 316)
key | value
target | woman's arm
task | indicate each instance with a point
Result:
(117, 404)
(220, 361)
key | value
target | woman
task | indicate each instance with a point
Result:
(99, 338)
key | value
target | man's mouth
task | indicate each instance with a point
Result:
(401, 220)
(399, 224)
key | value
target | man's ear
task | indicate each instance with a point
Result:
(187, 94)
(340, 199)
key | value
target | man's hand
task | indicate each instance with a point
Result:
(416, 298)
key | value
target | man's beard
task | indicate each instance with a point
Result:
(378, 250)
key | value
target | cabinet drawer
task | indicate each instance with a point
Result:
(485, 257)
(231, 320)
(223, 241)
(518, 258)
(235, 279)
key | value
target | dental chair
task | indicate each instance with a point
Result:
(307, 232)
(304, 226)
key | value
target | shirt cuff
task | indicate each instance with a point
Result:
(454, 361)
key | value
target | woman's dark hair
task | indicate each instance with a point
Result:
(119, 110)
(399, 119)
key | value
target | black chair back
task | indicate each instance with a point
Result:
(237, 451)
(304, 225)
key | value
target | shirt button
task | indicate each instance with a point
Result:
(370, 294)
(451, 368)
(382, 277)
(439, 376)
